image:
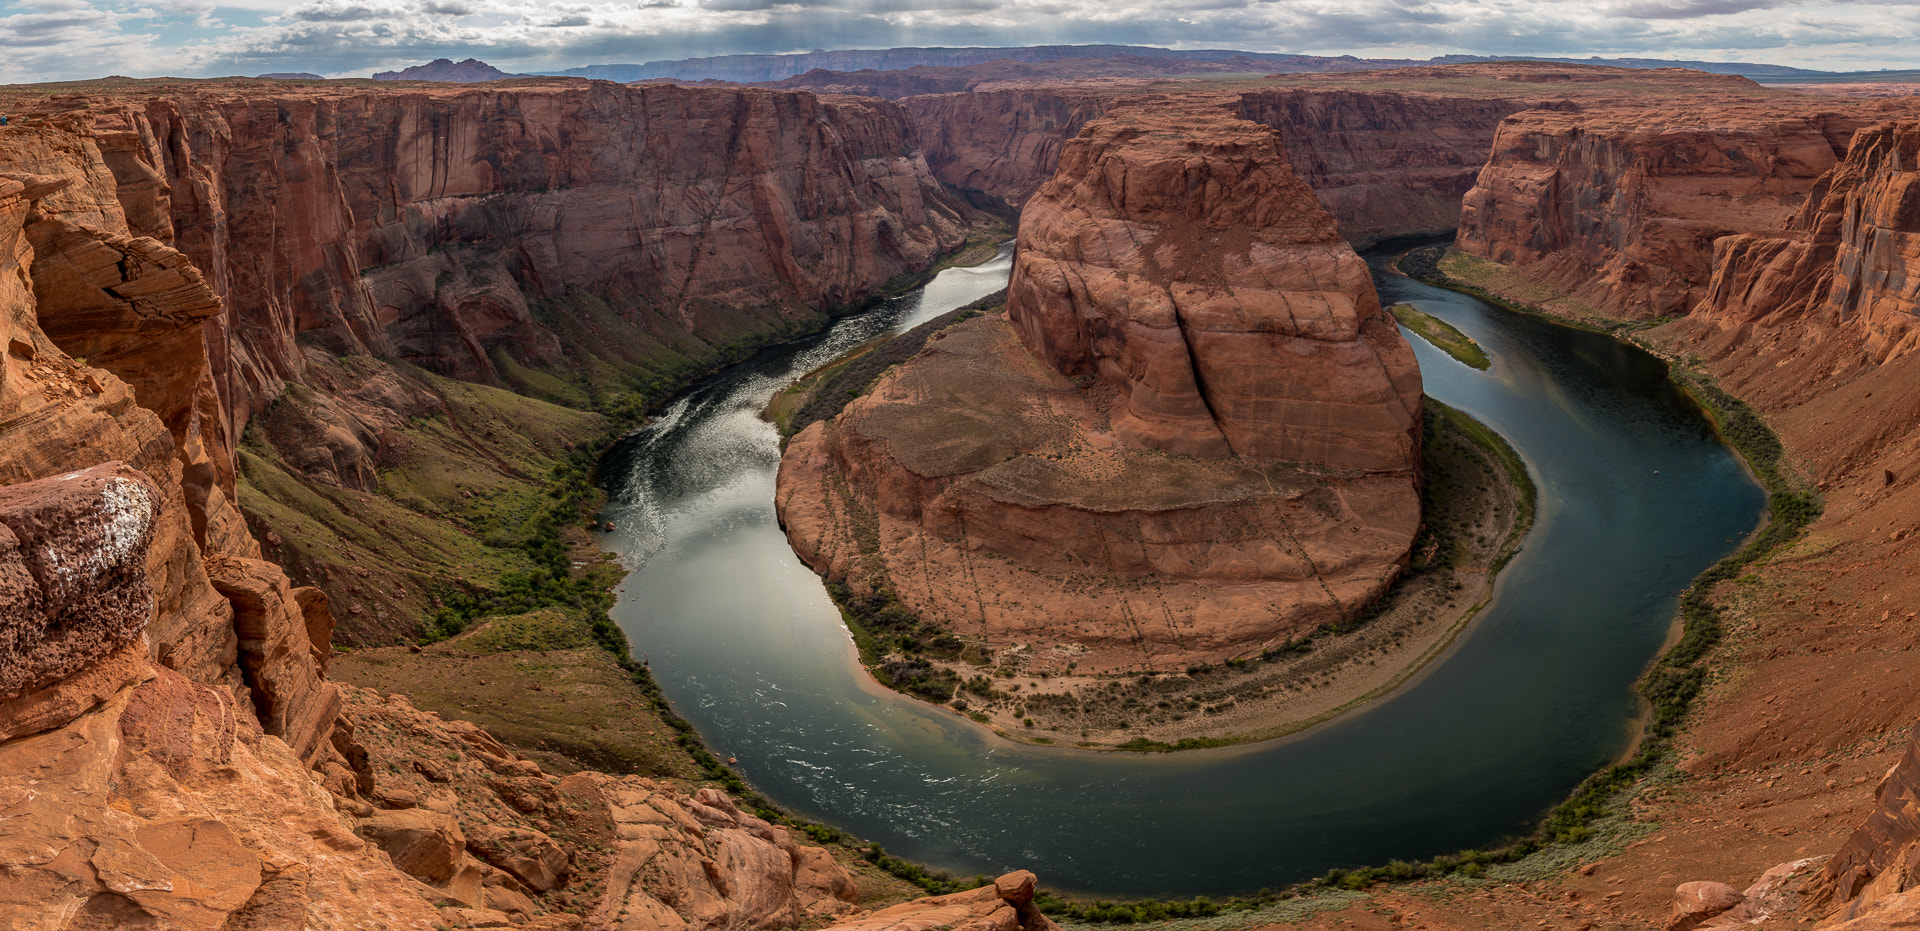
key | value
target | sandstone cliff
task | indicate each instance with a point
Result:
(1385, 164)
(1389, 154)
(1177, 256)
(1206, 445)
(1621, 207)
(583, 245)
(1844, 258)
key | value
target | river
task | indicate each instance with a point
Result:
(1637, 497)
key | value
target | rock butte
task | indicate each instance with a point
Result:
(1193, 435)
(175, 256)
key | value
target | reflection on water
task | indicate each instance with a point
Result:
(1637, 498)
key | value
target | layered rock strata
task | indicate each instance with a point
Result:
(1844, 260)
(1177, 256)
(1388, 154)
(1193, 435)
(1622, 207)
(571, 239)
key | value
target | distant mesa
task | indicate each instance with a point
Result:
(291, 76)
(771, 68)
(471, 71)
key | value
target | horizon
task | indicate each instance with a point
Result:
(60, 40)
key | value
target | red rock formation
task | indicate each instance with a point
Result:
(1388, 153)
(417, 223)
(1621, 207)
(1385, 163)
(1004, 142)
(1882, 858)
(1176, 256)
(1844, 259)
(1210, 311)
(1005, 905)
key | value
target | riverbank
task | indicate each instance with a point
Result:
(1807, 688)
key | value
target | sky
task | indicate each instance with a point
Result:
(53, 40)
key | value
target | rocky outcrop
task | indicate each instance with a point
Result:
(132, 796)
(75, 550)
(1194, 418)
(1882, 858)
(1004, 905)
(1622, 207)
(461, 812)
(1176, 256)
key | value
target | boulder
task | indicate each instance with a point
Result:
(423, 843)
(74, 587)
(1696, 902)
(531, 856)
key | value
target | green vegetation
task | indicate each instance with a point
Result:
(1434, 492)
(1442, 335)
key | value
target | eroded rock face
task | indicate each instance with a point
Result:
(421, 223)
(1882, 858)
(167, 805)
(1844, 260)
(1383, 163)
(1177, 256)
(1192, 436)
(1622, 207)
(1005, 905)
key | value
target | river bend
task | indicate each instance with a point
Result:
(1637, 497)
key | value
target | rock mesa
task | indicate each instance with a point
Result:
(1193, 435)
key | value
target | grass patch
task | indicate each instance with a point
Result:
(1442, 335)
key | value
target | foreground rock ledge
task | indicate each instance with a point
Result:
(1194, 434)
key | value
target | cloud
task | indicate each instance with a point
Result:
(68, 39)
(1693, 8)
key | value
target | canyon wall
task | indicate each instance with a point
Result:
(585, 246)
(1383, 163)
(1387, 154)
(1621, 207)
(1193, 436)
(1004, 142)
(1844, 260)
(172, 753)
(421, 225)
